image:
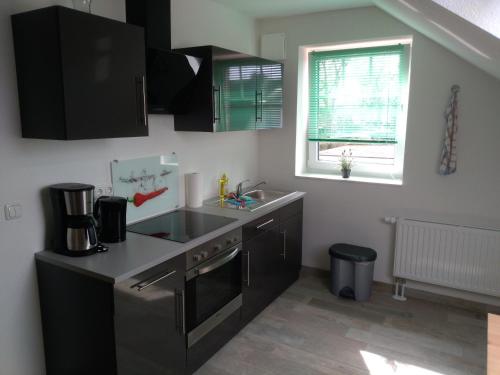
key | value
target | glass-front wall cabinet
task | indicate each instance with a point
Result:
(232, 91)
(248, 94)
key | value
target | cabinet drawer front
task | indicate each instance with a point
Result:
(150, 321)
(260, 225)
(144, 279)
(291, 210)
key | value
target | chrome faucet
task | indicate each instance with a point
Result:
(257, 185)
(239, 187)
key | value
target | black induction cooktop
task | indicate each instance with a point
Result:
(180, 226)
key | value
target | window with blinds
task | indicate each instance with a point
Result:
(355, 95)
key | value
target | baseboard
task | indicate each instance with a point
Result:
(417, 293)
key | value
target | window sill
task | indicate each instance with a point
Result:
(368, 180)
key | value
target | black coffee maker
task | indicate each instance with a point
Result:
(111, 216)
(75, 227)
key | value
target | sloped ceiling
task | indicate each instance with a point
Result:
(482, 13)
(469, 28)
(455, 33)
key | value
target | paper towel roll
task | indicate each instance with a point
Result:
(194, 190)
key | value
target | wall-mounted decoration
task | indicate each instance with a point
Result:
(149, 184)
(449, 154)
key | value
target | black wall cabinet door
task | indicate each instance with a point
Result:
(80, 76)
(269, 94)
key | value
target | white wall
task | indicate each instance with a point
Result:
(340, 211)
(211, 23)
(28, 165)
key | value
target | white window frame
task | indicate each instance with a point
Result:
(312, 166)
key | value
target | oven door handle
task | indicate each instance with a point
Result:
(218, 262)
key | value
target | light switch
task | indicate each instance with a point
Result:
(13, 211)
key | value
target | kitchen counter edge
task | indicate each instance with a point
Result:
(124, 260)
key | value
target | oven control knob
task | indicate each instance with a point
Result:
(197, 257)
(229, 241)
(217, 247)
(204, 254)
(235, 239)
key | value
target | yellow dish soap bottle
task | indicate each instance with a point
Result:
(223, 181)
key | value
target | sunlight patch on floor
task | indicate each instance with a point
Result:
(379, 365)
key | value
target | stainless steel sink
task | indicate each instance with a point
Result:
(260, 198)
(264, 195)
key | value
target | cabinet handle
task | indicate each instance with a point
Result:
(147, 283)
(284, 245)
(144, 102)
(248, 268)
(183, 313)
(218, 106)
(180, 316)
(142, 117)
(261, 105)
(177, 312)
(257, 94)
(264, 224)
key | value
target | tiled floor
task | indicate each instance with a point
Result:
(309, 331)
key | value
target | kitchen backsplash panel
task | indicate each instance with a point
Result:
(150, 185)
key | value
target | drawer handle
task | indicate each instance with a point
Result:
(264, 224)
(145, 284)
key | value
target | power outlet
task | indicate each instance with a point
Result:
(13, 211)
(103, 190)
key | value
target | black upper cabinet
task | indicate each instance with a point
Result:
(232, 91)
(80, 76)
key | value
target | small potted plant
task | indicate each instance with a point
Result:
(346, 163)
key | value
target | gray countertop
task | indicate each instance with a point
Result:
(139, 252)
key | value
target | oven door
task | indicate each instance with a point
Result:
(213, 292)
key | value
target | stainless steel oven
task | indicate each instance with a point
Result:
(213, 294)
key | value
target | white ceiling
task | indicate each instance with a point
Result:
(279, 8)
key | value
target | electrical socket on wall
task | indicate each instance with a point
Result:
(103, 190)
(13, 211)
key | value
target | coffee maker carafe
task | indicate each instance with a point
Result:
(75, 228)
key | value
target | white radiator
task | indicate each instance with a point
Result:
(454, 256)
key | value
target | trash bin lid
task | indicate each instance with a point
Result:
(352, 252)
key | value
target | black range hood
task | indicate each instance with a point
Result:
(169, 74)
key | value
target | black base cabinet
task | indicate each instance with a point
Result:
(149, 321)
(272, 257)
(291, 234)
(135, 327)
(138, 326)
(261, 281)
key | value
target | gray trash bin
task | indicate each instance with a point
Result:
(351, 271)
